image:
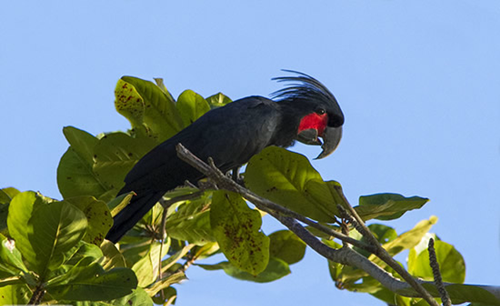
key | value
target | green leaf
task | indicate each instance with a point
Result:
(406, 240)
(410, 238)
(145, 105)
(335, 269)
(166, 281)
(237, 230)
(82, 142)
(166, 297)
(169, 262)
(144, 260)
(112, 256)
(6, 195)
(218, 100)
(75, 176)
(57, 227)
(18, 294)
(120, 202)
(286, 246)
(191, 222)
(85, 250)
(115, 154)
(11, 261)
(44, 232)
(98, 217)
(383, 233)
(468, 293)
(161, 85)
(460, 293)
(191, 106)
(86, 254)
(86, 282)
(451, 263)
(275, 270)
(366, 285)
(152, 219)
(387, 206)
(139, 297)
(205, 251)
(289, 179)
(392, 298)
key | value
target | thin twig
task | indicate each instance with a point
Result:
(166, 205)
(445, 298)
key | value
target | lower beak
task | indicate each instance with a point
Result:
(309, 137)
(331, 139)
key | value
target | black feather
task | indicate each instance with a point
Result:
(303, 87)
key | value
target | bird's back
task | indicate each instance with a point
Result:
(227, 134)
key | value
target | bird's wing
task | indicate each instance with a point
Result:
(231, 135)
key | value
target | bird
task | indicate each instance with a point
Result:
(303, 111)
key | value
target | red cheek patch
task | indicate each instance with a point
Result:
(314, 121)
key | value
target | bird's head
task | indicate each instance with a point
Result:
(320, 114)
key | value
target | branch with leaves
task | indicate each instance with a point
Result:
(345, 255)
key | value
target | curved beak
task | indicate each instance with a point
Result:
(331, 139)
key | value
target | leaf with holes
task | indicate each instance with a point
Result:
(237, 230)
(98, 217)
(147, 106)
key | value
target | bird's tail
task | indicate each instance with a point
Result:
(131, 214)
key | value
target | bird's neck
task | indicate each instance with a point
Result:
(288, 126)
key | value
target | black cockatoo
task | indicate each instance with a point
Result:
(231, 135)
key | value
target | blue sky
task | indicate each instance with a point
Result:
(418, 82)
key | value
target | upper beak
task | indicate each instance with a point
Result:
(331, 139)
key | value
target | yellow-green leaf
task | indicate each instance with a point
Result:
(237, 230)
(147, 106)
(191, 106)
(289, 179)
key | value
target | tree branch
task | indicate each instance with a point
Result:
(345, 256)
(37, 295)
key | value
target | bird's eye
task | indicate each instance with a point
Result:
(320, 111)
